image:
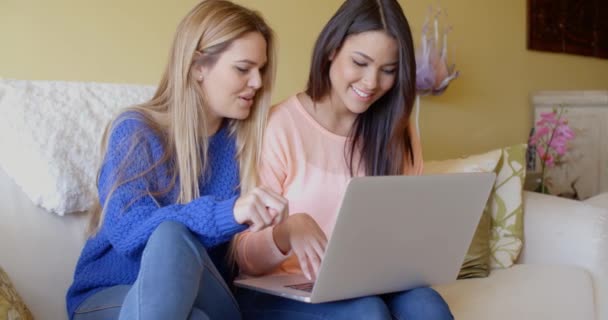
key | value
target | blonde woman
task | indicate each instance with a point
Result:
(178, 178)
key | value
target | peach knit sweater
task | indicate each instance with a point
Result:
(305, 163)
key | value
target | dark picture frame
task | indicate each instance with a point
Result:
(569, 26)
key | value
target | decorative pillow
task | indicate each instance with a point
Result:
(11, 305)
(476, 261)
(507, 207)
(50, 134)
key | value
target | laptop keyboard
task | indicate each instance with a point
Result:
(302, 286)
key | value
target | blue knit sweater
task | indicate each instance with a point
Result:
(112, 257)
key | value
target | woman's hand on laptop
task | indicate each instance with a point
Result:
(260, 208)
(302, 234)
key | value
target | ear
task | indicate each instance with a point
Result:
(332, 55)
(199, 72)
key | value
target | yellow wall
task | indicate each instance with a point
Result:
(127, 41)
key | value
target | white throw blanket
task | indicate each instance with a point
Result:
(50, 135)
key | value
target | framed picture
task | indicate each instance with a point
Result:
(569, 26)
(583, 171)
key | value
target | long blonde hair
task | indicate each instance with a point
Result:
(176, 111)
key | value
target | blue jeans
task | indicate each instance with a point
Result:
(176, 280)
(420, 303)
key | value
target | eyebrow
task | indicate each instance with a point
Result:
(372, 60)
(253, 63)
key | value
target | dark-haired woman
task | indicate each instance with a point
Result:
(352, 120)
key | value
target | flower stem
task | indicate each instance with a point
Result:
(543, 187)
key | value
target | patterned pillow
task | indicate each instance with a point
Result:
(476, 262)
(506, 240)
(11, 306)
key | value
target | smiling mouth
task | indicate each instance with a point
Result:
(248, 97)
(361, 94)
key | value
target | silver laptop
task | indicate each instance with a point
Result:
(392, 233)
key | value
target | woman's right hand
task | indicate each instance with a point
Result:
(260, 208)
(301, 233)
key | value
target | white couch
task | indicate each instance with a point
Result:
(562, 272)
(49, 132)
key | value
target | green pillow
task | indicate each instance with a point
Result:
(498, 239)
(506, 240)
(476, 261)
(11, 305)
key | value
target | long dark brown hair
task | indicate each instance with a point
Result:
(382, 132)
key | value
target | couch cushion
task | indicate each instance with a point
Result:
(523, 292)
(600, 200)
(38, 250)
(53, 130)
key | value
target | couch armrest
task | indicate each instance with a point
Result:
(568, 232)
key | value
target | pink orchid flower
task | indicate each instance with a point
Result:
(551, 138)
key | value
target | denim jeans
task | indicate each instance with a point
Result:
(415, 304)
(176, 280)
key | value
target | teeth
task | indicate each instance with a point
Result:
(360, 93)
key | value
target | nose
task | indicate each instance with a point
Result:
(255, 81)
(370, 80)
